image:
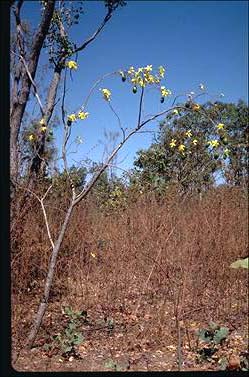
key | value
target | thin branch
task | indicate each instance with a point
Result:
(119, 121)
(94, 35)
(94, 86)
(66, 136)
(140, 107)
(32, 81)
(46, 222)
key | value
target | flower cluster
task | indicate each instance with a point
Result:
(165, 92)
(181, 144)
(213, 143)
(31, 137)
(71, 64)
(106, 94)
(43, 124)
(81, 115)
(220, 126)
(144, 76)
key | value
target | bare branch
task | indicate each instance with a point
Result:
(32, 81)
(94, 35)
(46, 219)
(140, 107)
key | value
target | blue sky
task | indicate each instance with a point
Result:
(197, 42)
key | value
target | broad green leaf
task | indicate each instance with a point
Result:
(240, 263)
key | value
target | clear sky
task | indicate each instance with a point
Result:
(197, 42)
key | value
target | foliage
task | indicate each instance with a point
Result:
(110, 364)
(213, 335)
(189, 151)
(77, 175)
(71, 337)
(240, 263)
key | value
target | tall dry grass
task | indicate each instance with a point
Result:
(155, 260)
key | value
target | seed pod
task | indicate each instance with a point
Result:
(162, 100)
(225, 141)
(134, 89)
(216, 156)
(51, 133)
(123, 78)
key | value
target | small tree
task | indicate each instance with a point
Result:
(139, 79)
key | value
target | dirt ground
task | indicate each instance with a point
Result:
(125, 347)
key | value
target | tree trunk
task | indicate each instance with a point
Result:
(19, 105)
(50, 103)
(48, 284)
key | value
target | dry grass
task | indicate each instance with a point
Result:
(154, 261)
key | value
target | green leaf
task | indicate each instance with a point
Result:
(240, 263)
(67, 349)
(68, 311)
(205, 335)
(71, 326)
(220, 335)
(78, 339)
(110, 364)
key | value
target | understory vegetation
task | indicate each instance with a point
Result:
(125, 276)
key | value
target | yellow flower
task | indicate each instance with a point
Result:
(226, 152)
(31, 137)
(72, 64)
(141, 82)
(161, 70)
(181, 148)
(72, 118)
(149, 78)
(188, 133)
(148, 68)
(195, 141)
(106, 94)
(175, 111)
(165, 92)
(42, 122)
(43, 129)
(93, 255)
(82, 115)
(172, 143)
(131, 71)
(213, 143)
(220, 126)
(196, 107)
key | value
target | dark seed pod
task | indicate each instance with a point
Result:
(216, 156)
(187, 105)
(162, 100)
(51, 133)
(225, 141)
(134, 89)
(123, 78)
